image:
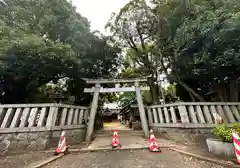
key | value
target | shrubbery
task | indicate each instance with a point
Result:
(224, 132)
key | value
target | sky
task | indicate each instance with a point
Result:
(98, 12)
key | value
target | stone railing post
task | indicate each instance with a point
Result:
(183, 114)
(52, 116)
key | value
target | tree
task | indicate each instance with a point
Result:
(193, 42)
(169, 16)
(3, 3)
(131, 26)
(44, 41)
(203, 47)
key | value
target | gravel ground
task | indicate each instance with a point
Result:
(130, 159)
(22, 160)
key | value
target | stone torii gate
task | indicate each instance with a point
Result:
(98, 89)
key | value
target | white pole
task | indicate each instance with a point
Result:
(160, 86)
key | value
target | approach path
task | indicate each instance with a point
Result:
(130, 159)
(129, 139)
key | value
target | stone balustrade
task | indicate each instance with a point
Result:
(193, 114)
(20, 117)
(36, 124)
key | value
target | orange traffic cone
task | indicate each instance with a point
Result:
(115, 134)
(115, 141)
(62, 147)
(151, 137)
(153, 147)
(152, 144)
(150, 133)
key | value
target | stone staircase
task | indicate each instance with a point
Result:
(121, 132)
(127, 137)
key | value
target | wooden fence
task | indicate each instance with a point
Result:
(193, 114)
(41, 117)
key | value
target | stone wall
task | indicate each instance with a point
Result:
(186, 136)
(30, 141)
(73, 136)
(174, 130)
(39, 126)
(136, 125)
(42, 140)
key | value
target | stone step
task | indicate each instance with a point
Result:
(120, 132)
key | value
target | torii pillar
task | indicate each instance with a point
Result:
(141, 110)
(96, 92)
(93, 112)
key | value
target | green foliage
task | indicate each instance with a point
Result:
(236, 127)
(170, 94)
(126, 98)
(109, 97)
(224, 132)
(197, 40)
(45, 41)
(147, 98)
(131, 28)
(207, 44)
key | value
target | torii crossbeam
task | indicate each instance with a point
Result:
(133, 80)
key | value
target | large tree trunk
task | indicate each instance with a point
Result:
(185, 86)
(221, 92)
(193, 99)
(154, 90)
(234, 89)
(190, 90)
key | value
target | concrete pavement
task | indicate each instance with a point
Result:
(130, 159)
(105, 157)
(129, 139)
